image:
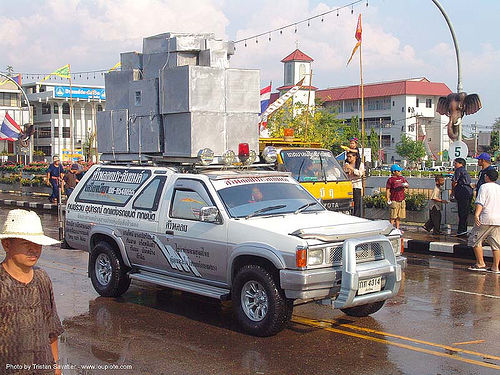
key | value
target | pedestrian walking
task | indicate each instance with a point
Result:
(436, 206)
(30, 326)
(355, 171)
(462, 192)
(70, 180)
(55, 172)
(484, 161)
(395, 194)
(487, 223)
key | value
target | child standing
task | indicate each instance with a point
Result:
(395, 194)
(436, 206)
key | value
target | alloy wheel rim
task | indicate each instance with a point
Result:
(103, 269)
(254, 300)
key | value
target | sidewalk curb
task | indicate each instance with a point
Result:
(26, 204)
(454, 249)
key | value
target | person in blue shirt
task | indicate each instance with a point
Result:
(55, 173)
(484, 161)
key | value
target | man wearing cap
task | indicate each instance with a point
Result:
(462, 191)
(395, 194)
(55, 172)
(484, 161)
(30, 326)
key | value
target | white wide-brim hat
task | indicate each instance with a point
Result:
(26, 225)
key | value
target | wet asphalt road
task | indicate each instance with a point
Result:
(445, 320)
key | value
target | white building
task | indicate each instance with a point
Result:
(52, 105)
(10, 102)
(395, 108)
(297, 65)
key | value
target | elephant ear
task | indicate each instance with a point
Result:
(443, 106)
(472, 104)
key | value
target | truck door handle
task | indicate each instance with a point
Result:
(170, 232)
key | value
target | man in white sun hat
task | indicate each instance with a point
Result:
(29, 324)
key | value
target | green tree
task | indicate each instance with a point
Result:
(494, 145)
(323, 126)
(409, 149)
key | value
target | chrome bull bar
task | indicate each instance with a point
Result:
(352, 273)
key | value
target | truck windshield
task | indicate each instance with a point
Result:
(309, 165)
(249, 200)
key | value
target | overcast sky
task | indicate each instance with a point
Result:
(401, 38)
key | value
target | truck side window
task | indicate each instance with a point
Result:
(149, 197)
(187, 204)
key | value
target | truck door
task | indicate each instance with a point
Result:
(192, 247)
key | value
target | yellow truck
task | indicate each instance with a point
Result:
(316, 169)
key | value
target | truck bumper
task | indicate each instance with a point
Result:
(326, 283)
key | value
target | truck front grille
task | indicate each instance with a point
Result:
(368, 252)
(336, 255)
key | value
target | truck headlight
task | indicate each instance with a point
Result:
(315, 257)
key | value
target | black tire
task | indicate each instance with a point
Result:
(279, 308)
(364, 310)
(116, 281)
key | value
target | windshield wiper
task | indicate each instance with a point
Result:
(302, 208)
(266, 209)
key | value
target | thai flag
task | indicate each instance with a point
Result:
(265, 95)
(9, 131)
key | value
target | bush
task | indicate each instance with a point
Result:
(414, 202)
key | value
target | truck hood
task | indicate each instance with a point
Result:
(326, 226)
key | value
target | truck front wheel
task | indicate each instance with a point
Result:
(364, 310)
(259, 305)
(107, 271)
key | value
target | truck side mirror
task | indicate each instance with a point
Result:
(209, 214)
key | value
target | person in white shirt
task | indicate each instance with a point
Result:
(487, 223)
(355, 171)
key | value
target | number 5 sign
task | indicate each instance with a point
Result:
(458, 149)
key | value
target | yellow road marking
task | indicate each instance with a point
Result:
(475, 294)
(468, 342)
(324, 325)
(446, 347)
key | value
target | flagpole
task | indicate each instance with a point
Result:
(308, 100)
(70, 114)
(362, 124)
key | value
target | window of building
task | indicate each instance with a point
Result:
(417, 102)
(138, 98)
(149, 198)
(393, 103)
(99, 108)
(402, 109)
(65, 108)
(43, 132)
(8, 99)
(45, 149)
(65, 133)
(428, 103)
(56, 109)
(288, 74)
(34, 110)
(45, 109)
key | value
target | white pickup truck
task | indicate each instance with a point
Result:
(257, 238)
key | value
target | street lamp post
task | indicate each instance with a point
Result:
(457, 53)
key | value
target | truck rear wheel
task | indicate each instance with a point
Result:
(258, 303)
(107, 271)
(364, 310)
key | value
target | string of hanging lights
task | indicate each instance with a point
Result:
(295, 25)
(99, 73)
